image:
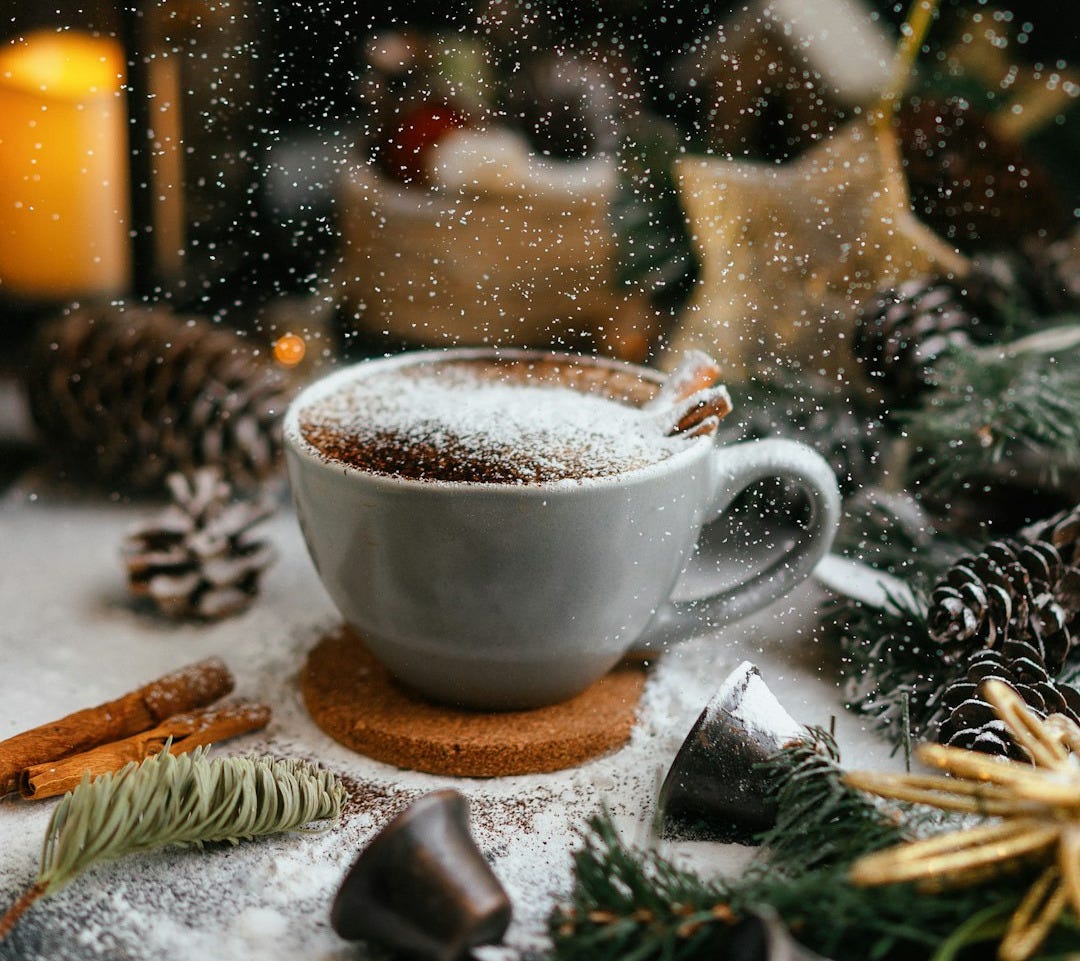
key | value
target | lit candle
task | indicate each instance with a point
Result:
(63, 167)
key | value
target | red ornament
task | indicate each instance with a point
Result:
(404, 155)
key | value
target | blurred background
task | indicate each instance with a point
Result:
(317, 183)
(240, 114)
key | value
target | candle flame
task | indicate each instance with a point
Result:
(69, 66)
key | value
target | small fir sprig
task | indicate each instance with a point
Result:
(998, 404)
(892, 669)
(635, 905)
(178, 799)
(812, 799)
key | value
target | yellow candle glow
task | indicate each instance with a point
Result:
(63, 167)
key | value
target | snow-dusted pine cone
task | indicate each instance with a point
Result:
(966, 720)
(902, 330)
(127, 394)
(198, 558)
(1014, 590)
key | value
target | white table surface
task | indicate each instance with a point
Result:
(70, 638)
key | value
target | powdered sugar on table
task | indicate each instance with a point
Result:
(71, 638)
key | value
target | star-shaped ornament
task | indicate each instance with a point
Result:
(1036, 819)
(788, 251)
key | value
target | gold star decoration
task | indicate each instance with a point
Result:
(789, 251)
(1036, 812)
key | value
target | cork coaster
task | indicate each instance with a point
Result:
(354, 699)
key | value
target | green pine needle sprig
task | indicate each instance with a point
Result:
(893, 670)
(1017, 402)
(821, 821)
(184, 799)
(634, 905)
(630, 905)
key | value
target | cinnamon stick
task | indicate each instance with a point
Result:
(714, 403)
(695, 371)
(188, 731)
(190, 687)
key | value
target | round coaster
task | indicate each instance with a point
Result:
(354, 699)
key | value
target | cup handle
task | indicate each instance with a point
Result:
(738, 467)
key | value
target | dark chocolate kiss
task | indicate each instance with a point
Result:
(422, 888)
(713, 791)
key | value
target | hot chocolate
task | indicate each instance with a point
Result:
(491, 421)
(515, 521)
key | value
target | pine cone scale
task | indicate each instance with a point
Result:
(199, 558)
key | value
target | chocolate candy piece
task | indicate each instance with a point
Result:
(712, 790)
(422, 887)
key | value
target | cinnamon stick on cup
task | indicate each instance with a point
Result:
(187, 731)
(188, 688)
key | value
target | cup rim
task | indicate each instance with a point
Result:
(317, 389)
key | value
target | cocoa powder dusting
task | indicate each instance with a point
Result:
(489, 423)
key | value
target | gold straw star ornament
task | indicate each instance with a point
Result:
(1037, 812)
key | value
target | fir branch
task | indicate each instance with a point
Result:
(889, 662)
(178, 799)
(632, 905)
(629, 904)
(1009, 402)
(813, 802)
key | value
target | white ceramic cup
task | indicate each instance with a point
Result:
(513, 596)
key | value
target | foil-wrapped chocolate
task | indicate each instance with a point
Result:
(714, 789)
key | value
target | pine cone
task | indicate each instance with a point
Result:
(966, 720)
(1009, 592)
(974, 187)
(196, 558)
(901, 331)
(1062, 533)
(127, 394)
